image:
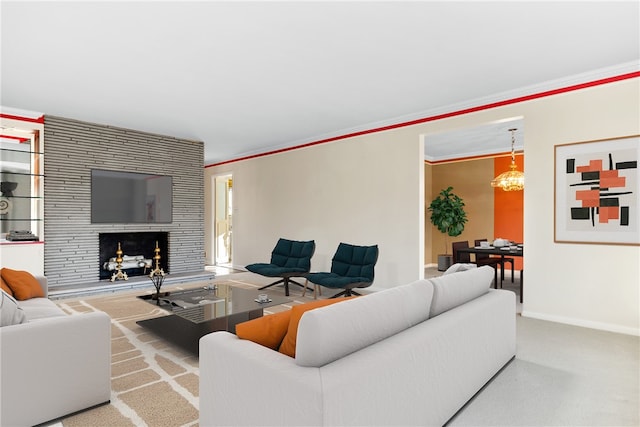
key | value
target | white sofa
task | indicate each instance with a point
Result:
(412, 355)
(54, 364)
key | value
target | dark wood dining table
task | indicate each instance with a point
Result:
(505, 251)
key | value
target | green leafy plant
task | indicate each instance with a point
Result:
(448, 215)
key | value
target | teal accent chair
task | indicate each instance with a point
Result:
(289, 258)
(351, 267)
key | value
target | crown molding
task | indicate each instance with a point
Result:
(547, 88)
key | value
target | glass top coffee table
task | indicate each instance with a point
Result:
(193, 313)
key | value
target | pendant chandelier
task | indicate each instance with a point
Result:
(513, 179)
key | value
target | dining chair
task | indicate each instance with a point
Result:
(465, 257)
(501, 261)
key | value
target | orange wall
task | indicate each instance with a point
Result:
(508, 207)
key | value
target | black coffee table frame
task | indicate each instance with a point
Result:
(189, 322)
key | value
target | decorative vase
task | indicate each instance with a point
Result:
(444, 262)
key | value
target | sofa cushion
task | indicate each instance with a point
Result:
(10, 312)
(453, 290)
(40, 308)
(266, 330)
(330, 333)
(5, 287)
(289, 342)
(23, 284)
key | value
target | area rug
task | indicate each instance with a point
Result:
(153, 382)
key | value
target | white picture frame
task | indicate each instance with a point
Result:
(597, 192)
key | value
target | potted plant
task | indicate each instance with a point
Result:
(448, 215)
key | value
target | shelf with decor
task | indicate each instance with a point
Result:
(21, 201)
(22, 190)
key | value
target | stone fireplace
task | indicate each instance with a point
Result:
(137, 249)
(71, 253)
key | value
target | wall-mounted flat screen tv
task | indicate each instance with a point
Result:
(130, 197)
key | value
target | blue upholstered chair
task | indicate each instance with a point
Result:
(290, 258)
(351, 267)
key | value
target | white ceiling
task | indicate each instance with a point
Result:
(487, 139)
(250, 77)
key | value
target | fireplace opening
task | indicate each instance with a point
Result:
(137, 252)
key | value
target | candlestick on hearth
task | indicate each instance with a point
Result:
(119, 274)
(157, 275)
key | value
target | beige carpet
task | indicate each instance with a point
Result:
(153, 383)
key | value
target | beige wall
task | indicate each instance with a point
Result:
(370, 189)
(355, 191)
(470, 181)
(570, 283)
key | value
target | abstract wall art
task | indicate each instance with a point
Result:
(597, 192)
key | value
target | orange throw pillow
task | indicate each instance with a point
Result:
(5, 287)
(22, 283)
(288, 345)
(266, 330)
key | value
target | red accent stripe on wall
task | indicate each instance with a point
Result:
(20, 139)
(24, 119)
(445, 115)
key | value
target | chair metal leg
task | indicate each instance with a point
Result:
(346, 293)
(285, 281)
(343, 293)
(304, 287)
(316, 289)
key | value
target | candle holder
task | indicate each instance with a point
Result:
(157, 274)
(119, 274)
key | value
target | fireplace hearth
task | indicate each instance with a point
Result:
(137, 252)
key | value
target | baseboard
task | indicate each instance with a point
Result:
(608, 327)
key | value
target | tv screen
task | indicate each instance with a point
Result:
(129, 197)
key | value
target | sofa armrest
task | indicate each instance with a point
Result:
(54, 367)
(244, 383)
(43, 283)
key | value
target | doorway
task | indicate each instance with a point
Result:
(467, 159)
(223, 225)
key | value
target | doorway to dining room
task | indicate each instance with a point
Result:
(468, 159)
